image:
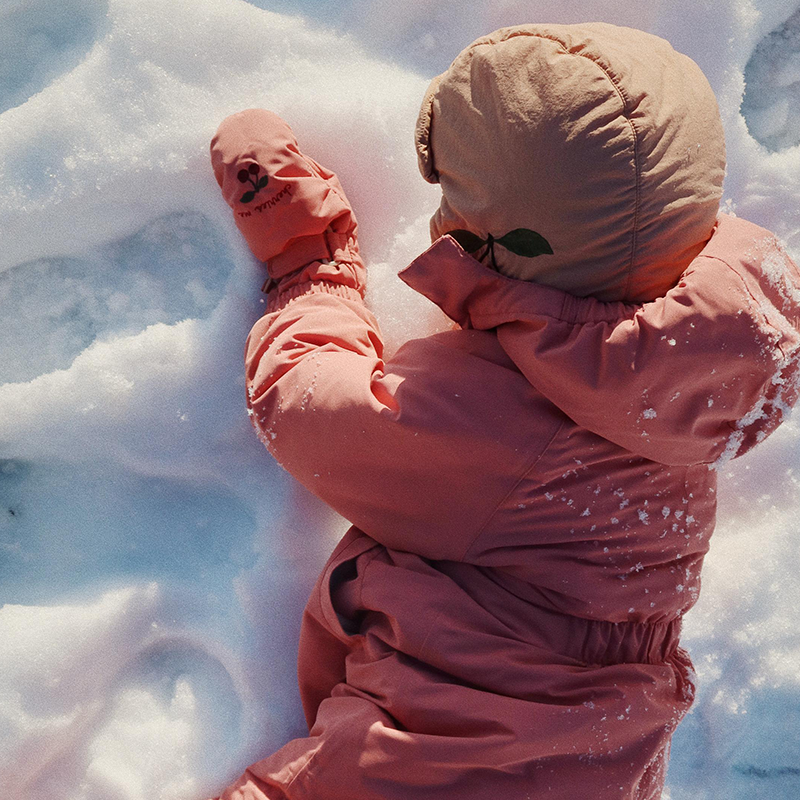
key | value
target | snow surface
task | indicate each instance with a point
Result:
(154, 561)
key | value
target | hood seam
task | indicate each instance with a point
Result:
(625, 111)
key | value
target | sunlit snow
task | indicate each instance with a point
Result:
(154, 560)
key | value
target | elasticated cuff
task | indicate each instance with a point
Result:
(279, 299)
(326, 246)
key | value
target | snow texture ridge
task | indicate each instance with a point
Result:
(771, 107)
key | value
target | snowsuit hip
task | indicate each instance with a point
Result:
(412, 690)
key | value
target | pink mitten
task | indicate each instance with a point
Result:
(291, 210)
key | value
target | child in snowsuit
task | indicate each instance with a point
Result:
(532, 493)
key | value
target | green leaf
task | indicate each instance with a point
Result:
(247, 197)
(262, 181)
(468, 240)
(525, 243)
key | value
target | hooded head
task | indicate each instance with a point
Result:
(599, 149)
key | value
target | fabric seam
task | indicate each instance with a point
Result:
(312, 287)
(513, 488)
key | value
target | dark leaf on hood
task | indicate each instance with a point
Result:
(468, 240)
(525, 243)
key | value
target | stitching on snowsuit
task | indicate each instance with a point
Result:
(511, 491)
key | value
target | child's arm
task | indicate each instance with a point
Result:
(402, 453)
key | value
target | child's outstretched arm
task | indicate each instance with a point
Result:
(385, 447)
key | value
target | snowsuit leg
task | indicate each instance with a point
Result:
(390, 720)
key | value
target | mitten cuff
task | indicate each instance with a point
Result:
(326, 246)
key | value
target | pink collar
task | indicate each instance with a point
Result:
(475, 296)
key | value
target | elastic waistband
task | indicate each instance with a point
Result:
(475, 603)
(605, 643)
(590, 641)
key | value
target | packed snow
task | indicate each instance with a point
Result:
(154, 560)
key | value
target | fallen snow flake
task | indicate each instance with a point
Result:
(689, 519)
(665, 512)
(548, 495)
(649, 413)
(614, 521)
(624, 504)
(671, 342)
(710, 402)
(678, 514)
(585, 512)
(644, 517)
(731, 450)
(674, 397)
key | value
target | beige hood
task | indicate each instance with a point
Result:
(598, 143)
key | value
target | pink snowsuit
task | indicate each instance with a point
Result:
(532, 495)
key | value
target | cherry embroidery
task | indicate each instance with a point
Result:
(249, 174)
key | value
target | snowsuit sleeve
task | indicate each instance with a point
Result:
(398, 450)
(407, 451)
